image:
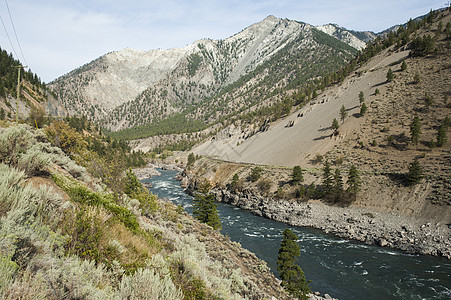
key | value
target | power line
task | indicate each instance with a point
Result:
(15, 33)
(14, 50)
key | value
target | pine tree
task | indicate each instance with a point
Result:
(390, 75)
(234, 183)
(343, 113)
(338, 185)
(353, 182)
(415, 173)
(441, 136)
(2, 114)
(191, 160)
(361, 97)
(415, 130)
(293, 278)
(297, 176)
(205, 209)
(428, 100)
(327, 178)
(403, 65)
(335, 124)
(255, 175)
(132, 185)
(363, 109)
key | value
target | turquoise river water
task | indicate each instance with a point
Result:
(344, 269)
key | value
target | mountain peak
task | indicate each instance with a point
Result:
(132, 75)
(271, 18)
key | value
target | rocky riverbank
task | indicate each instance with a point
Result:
(150, 170)
(378, 228)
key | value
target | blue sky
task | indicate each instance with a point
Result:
(57, 36)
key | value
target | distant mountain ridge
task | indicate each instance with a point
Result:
(113, 87)
(356, 39)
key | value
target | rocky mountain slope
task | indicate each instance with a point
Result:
(379, 142)
(356, 39)
(129, 87)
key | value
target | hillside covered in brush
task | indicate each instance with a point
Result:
(90, 230)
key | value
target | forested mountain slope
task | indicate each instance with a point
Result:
(34, 94)
(129, 88)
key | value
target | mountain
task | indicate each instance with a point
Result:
(380, 142)
(33, 92)
(356, 39)
(129, 88)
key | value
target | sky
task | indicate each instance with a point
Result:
(57, 36)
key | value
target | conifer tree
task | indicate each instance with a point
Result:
(297, 176)
(441, 136)
(338, 185)
(390, 75)
(353, 182)
(343, 113)
(415, 130)
(428, 100)
(415, 173)
(191, 160)
(361, 97)
(293, 278)
(132, 185)
(327, 178)
(403, 65)
(335, 124)
(234, 182)
(363, 109)
(205, 208)
(255, 175)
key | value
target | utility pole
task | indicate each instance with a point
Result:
(18, 91)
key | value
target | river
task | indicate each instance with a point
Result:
(344, 269)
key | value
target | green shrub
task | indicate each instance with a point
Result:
(14, 141)
(34, 161)
(264, 185)
(60, 134)
(317, 159)
(191, 286)
(86, 233)
(255, 174)
(416, 78)
(85, 196)
(146, 284)
(280, 193)
(8, 269)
